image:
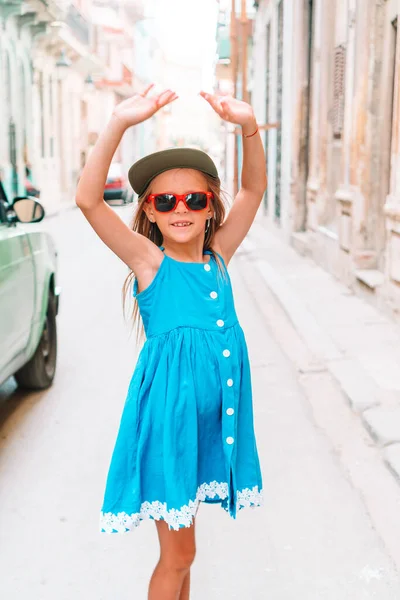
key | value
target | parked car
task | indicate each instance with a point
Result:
(30, 188)
(29, 296)
(117, 186)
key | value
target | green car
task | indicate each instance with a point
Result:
(29, 296)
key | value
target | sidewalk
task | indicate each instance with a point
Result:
(358, 345)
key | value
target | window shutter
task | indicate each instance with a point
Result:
(338, 91)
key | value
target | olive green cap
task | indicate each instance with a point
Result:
(147, 168)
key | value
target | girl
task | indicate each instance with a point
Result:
(186, 433)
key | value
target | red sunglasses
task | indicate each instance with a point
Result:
(192, 201)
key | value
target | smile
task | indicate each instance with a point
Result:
(181, 224)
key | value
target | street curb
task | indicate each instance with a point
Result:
(318, 341)
(383, 424)
(361, 392)
(392, 459)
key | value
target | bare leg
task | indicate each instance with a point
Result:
(171, 577)
(185, 591)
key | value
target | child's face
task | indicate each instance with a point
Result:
(193, 222)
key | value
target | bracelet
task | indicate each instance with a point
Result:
(251, 135)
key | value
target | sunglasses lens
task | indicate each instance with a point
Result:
(197, 201)
(164, 202)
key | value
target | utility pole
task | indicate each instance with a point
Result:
(234, 67)
(239, 58)
(234, 47)
(244, 41)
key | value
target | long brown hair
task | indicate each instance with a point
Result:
(141, 224)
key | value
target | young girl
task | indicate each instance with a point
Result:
(186, 433)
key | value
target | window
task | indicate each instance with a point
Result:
(339, 91)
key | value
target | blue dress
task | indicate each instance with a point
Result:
(186, 433)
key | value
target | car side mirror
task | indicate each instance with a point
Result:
(28, 210)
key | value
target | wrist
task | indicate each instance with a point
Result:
(117, 124)
(249, 127)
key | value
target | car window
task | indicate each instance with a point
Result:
(2, 212)
(3, 204)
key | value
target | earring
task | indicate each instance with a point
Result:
(208, 225)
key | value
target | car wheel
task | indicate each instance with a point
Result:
(38, 373)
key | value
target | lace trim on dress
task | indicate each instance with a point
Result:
(177, 518)
(247, 497)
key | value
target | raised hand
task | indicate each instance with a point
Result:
(230, 109)
(140, 107)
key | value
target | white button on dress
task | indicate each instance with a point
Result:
(229, 440)
(213, 295)
(220, 323)
(229, 411)
(226, 353)
(229, 383)
(207, 267)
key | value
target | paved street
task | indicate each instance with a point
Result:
(329, 526)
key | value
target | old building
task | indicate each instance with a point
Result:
(328, 72)
(41, 136)
(64, 65)
(19, 28)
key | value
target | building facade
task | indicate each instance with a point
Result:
(18, 32)
(41, 136)
(64, 65)
(328, 72)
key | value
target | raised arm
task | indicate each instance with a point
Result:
(138, 252)
(254, 175)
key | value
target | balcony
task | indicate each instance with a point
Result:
(135, 10)
(8, 8)
(223, 44)
(78, 25)
(34, 13)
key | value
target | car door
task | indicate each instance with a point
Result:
(17, 289)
